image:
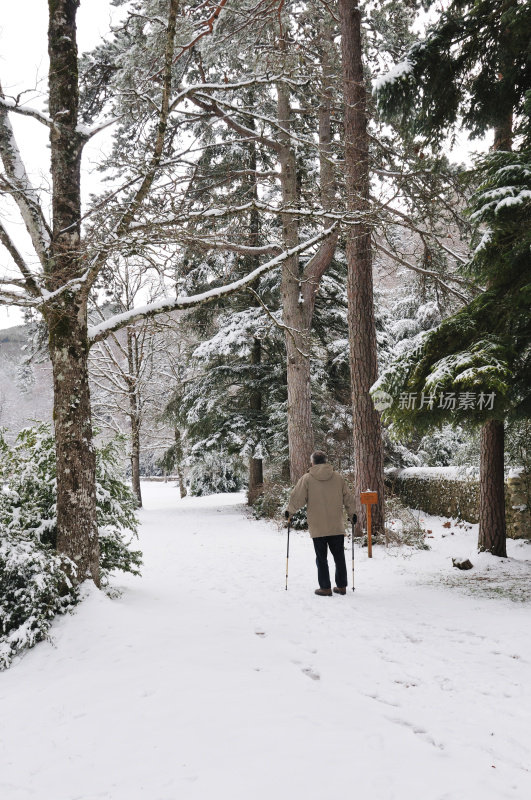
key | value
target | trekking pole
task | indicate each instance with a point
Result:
(354, 519)
(287, 555)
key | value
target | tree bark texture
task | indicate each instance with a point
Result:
(134, 412)
(492, 528)
(492, 490)
(135, 458)
(179, 463)
(77, 532)
(299, 286)
(256, 468)
(326, 165)
(368, 448)
(297, 336)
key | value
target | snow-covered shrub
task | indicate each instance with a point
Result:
(401, 526)
(34, 584)
(215, 472)
(116, 504)
(34, 587)
(28, 485)
(273, 502)
(440, 447)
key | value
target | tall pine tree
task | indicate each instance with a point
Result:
(473, 69)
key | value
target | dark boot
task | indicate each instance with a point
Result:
(340, 590)
(324, 592)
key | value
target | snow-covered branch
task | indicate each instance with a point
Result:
(210, 105)
(16, 182)
(30, 283)
(88, 131)
(430, 273)
(167, 304)
(228, 87)
(345, 217)
(422, 232)
(241, 249)
(26, 111)
(16, 299)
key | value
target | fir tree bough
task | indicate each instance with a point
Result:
(486, 346)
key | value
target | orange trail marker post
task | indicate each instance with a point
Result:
(368, 499)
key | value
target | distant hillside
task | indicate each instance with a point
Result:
(25, 388)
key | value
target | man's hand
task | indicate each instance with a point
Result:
(353, 519)
(287, 514)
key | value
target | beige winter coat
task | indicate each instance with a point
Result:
(325, 493)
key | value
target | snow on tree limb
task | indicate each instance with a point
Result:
(30, 284)
(88, 131)
(345, 217)
(16, 182)
(228, 87)
(166, 305)
(422, 271)
(16, 299)
(233, 247)
(26, 111)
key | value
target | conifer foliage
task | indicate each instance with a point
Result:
(35, 581)
(474, 65)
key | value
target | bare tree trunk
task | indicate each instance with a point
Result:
(135, 458)
(256, 468)
(368, 448)
(179, 463)
(492, 490)
(299, 286)
(492, 528)
(326, 166)
(300, 431)
(134, 412)
(77, 532)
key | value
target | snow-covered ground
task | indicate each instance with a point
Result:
(206, 679)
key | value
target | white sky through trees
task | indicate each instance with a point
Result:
(24, 68)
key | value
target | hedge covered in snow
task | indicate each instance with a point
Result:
(454, 492)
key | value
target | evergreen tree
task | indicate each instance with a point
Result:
(474, 66)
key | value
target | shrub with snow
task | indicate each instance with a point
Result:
(34, 587)
(215, 472)
(273, 502)
(401, 526)
(34, 584)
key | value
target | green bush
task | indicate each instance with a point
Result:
(216, 473)
(34, 587)
(273, 502)
(34, 583)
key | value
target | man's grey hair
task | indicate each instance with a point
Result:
(318, 457)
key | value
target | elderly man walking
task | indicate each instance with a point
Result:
(325, 492)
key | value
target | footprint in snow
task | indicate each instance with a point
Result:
(383, 700)
(311, 674)
(418, 731)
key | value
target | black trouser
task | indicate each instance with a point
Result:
(337, 548)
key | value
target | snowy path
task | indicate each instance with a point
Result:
(207, 680)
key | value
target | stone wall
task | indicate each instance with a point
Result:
(448, 492)
(518, 504)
